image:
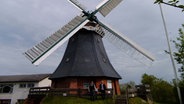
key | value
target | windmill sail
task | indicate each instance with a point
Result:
(126, 45)
(106, 6)
(42, 50)
(78, 5)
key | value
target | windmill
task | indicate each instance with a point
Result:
(80, 62)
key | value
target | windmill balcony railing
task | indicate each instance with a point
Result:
(64, 92)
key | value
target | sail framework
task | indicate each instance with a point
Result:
(78, 5)
(106, 6)
(42, 50)
(126, 45)
(128, 49)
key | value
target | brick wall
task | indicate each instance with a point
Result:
(76, 83)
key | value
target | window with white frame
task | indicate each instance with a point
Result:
(26, 85)
(30, 85)
(22, 85)
(6, 88)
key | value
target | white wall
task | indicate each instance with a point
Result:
(19, 93)
(44, 83)
(5, 96)
(22, 93)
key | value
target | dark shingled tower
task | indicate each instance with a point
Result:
(85, 59)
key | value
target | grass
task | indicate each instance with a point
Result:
(137, 100)
(73, 100)
(77, 100)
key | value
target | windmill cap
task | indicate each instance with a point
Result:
(92, 26)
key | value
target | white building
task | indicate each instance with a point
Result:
(15, 88)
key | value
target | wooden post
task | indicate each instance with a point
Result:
(117, 87)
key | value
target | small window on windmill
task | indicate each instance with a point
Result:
(67, 60)
(104, 60)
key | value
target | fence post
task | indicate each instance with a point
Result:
(79, 92)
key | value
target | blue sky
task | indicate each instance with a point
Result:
(25, 23)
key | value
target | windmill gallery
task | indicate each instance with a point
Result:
(85, 59)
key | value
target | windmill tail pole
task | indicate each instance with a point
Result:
(171, 56)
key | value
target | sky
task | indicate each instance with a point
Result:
(24, 23)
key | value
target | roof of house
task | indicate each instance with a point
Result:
(23, 78)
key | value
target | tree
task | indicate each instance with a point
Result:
(174, 3)
(179, 55)
(148, 79)
(179, 44)
(161, 90)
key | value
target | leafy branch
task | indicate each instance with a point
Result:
(179, 55)
(174, 3)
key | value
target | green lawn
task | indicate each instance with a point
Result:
(137, 100)
(73, 100)
(77, 100)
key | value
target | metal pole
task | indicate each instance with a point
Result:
(171, 55)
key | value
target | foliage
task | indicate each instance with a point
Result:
(161, 90)
(179, 55)
(174, 3)
(148, 79)
(130, 84)
(73, 100)
(137, 100)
